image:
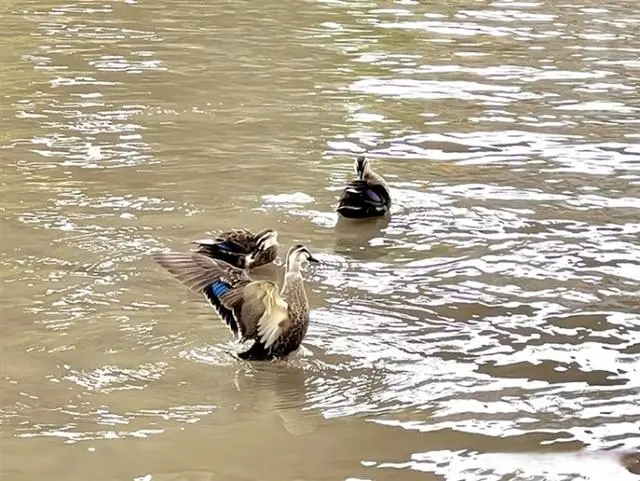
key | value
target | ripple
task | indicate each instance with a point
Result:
(108, 378)
(581, 466)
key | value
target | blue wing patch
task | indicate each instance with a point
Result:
(212, 293)
(218, 288)
(227, 246)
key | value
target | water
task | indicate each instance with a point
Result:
(490, 330)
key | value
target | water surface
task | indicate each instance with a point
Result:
(489, 330)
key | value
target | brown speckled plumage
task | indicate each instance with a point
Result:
(242, 248)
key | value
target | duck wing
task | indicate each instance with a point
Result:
(197, 270)
(259, 310)
(252, 309)
(206, 276)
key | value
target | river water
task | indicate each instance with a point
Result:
(489, 330)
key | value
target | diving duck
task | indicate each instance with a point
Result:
(367, 195)
(241, 248)
(276, 321)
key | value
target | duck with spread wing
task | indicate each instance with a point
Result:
(277, 321)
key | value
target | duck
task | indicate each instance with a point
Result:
(366, 196)
(277, 321)
(241, 248)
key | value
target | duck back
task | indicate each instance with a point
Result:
(227, 251)
(361, 199)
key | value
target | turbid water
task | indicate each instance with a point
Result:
(489, 330)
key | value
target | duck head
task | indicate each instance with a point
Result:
(267, 238)
(298, 254)
(362, 167)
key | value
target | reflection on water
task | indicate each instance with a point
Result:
(487, 330)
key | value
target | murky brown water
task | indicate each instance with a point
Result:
(489, 331)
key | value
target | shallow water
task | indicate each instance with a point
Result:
(489, 330)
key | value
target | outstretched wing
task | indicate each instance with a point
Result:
(207, 276)
(198, 271)
(253, 308)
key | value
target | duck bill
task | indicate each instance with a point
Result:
(313, 259)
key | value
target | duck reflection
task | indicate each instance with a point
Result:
(278, 387)
(361, 239)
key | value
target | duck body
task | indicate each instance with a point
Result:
(241, 248)
(366, 196)
(361, 200)
(277, 321)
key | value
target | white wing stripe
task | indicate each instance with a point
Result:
(271, 323)
(268, 330)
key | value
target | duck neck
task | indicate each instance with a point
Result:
(375, 178)
(293, 286)
(292, 275)
(364, 172)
